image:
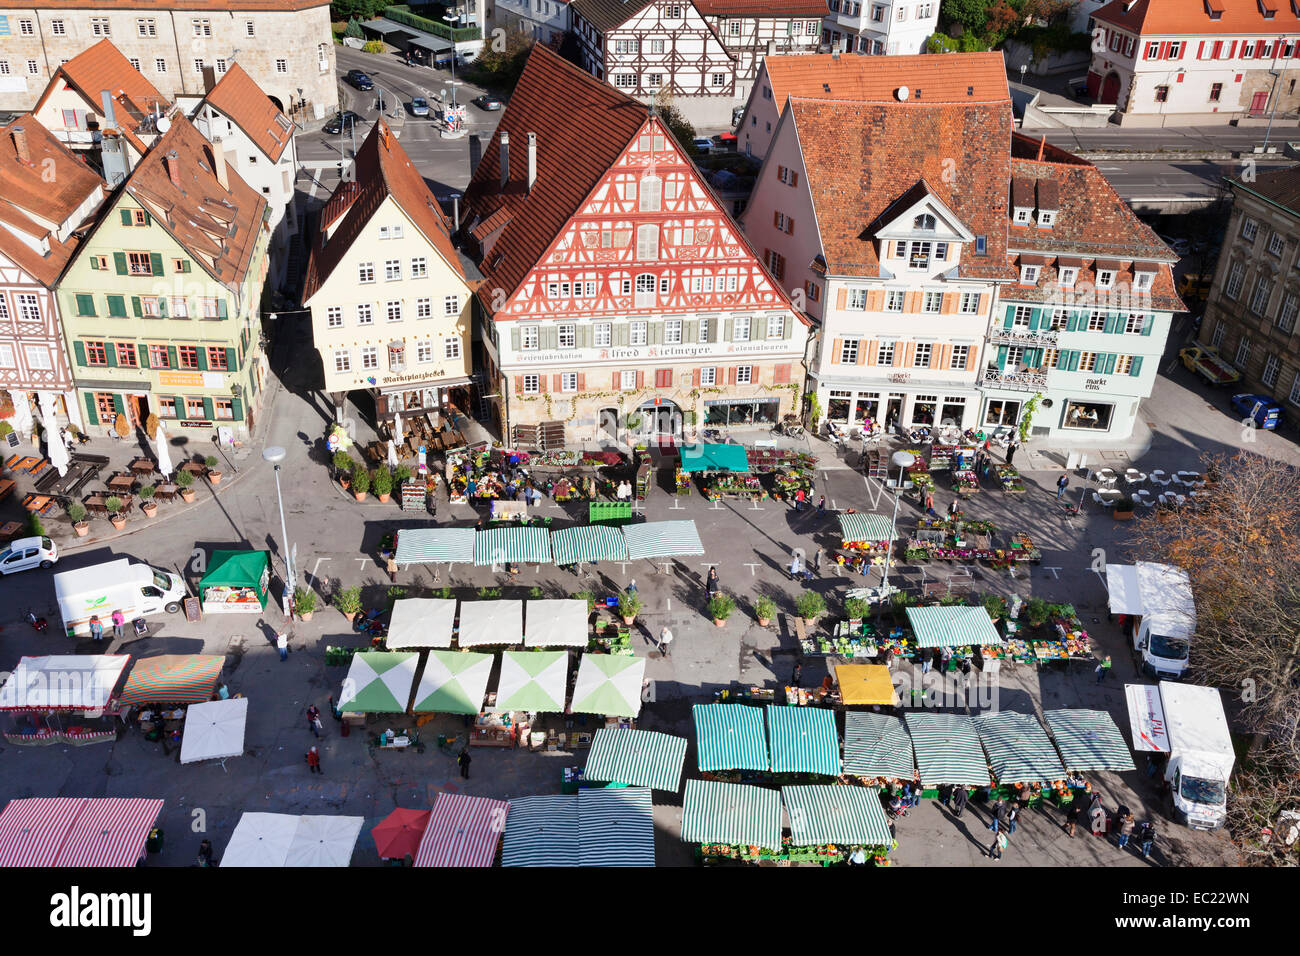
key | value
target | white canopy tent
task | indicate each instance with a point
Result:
(1122, 583)
(261, 839)
(63, 682)
(286, 839)
(214, 730)
(490, 622)
(561, 623)
(324, 841)
(421, 622)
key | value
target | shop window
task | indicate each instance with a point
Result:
(224, 408)
(1002, 413)
(194, 408)
(105, 407)
(1092, 416)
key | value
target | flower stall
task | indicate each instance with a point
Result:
(865, 540)
(965, 481)
(1010, 480)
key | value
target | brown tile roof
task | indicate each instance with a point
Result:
(238, 6)
(782, 9)
(381, 169)
(26, 188)
(606, 15)
(1279, 186)
(947, 78)
(1191, 18)
(1163, 296)
(103, 67)
(861, 158)
(219, 228)
(243, 102)
(583, 125)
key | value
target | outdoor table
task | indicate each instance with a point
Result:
(9, 529)
(121, 483)
(6, 487)
(142, 466)
(37, 503)
(95, 503)
(1158, 477)
(1134, 477)
(165, 492)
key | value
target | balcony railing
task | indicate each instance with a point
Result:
(1026, 381)
(1024, 336)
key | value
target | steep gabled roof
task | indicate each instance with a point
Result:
(103, 67)
(930, 78)
(1192, 17)
(583, 125)
(242, 101)
(606, 15)
(381, 169)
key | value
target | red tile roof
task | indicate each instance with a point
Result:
(582, 127)
(780, 9)
(930, 78)
(27, 189)
(103, 67)
(1190, 18)
(381, 169)
(242, 101)
(862, 158)
(218, 227)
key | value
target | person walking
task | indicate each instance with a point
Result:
(1012, 447)
(796, 678)
(796, 566)
(928, 501)
(282, 644)
(119, 619)
(96, 629)
(798, 500)
(1072, 816)
(960, 797)
(926, 658)
(462, 761)
(999, 844)
(205, 853)
(1013, 820)
(711, 584)
(313, 720)
(631, 586)
(821, 507)
(1126, 827)
(313, 761)
(1103, 668)
(392, 568)
(665, 641)
(1097, 814)
(1146, 838)
(820, 557)
(999, 816)
(1061, 484)
(953, 508)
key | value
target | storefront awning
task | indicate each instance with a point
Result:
(877, 745)
(952, 626)
(541, 831)
(463, 831)
(172, 678)
(435, 545)
(1018, 748)
(714, 458)
(730, 813)
(948, 750)
(865, 684)
(836, 814)
(730, 737)
(803, 740)
(379, 682)
(63, 682)
(638, 758)
(589, 543)
(490, 622)
(533, 681)
(866, 527)
(662, 539)
(608, 685)
(421, 622)
(616, 827)
(453, 682)
(556, 623)
(531, 545)
(1088, 740)
(76, 831)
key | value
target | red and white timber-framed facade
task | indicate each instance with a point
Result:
(617, 288)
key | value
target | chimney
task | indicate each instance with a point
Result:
(532, 160)
(771, 48)
(110, 118)
(504, 160)
(20, 145)
(219, 164)
(173, 163)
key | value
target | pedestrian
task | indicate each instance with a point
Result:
(282, 644)
(926, 658)
(945, 657)
(665, 640)
(795, 567)
(1061, 484)
(945, 794)
(119, 619)
(1146, 838)
(313, 720)
(711, 584)
(1072, 816)
(313, 761)
(960, 797)
(1126, 826)
(1097, 814)
(1103, 668)
(631, 586)
(1013, 820)
(796, 678)
(1012, 447)
(96, 629)
(463, 762)
(953, 509)
(821, 507)
(928, 501)
(205, 853)
(999, 811)
(821, 554)
(392, 568)
(999, 844)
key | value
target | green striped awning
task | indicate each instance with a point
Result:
(435, 545)
(730, 737)
(877, 745)
(526, 545)
(616, 827)
(588, 543)
(731, 813)
(803, 740)
(638, 758)
(541, 831)
(490, 622)
(533, 681)
(662, 539)
(609, 685)
(1018, 748)
(866, 527)
(172, 678)
(379, 682)
(556, 623)
(948, 750)
(1088, 740)
(453, 682)
(952, 626)
(836, 814)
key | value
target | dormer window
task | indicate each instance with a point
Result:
(1214, 9)
(924, 223)
(1068, 276)
(1105, 278)
(1045, 218)
(1022, 215)
(1142, 281)
(1029, 275)
(1267, 8)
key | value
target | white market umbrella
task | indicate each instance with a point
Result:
(164, 457)
(261, 839)
(214, 730)
(55, 449)
(324, 841)
(397, 425)
(392, 454)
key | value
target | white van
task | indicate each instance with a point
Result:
(1157, 599)
(27, 553)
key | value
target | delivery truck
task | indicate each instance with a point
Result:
(1184, 727)
(136, 589)
(1158, 614)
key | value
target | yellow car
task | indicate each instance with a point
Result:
(1209, 366)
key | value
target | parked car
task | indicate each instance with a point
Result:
(341, 122)
(703, 145)
(360, 80)
(24, 554)
(487, 102)
(1265, 412)
(1195, 286)
(419, 106)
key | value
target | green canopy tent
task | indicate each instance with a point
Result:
(731, 458)
(857, 526)
(237, 582)
(1018, 748)
(836, 814)
(379, 682)
(453, 682)
(638, 758)
(1088, 740)
(952, 626)
(730, 737)
(731, 813)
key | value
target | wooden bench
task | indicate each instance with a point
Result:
(800, 630)
(23, 464)
(6, 488)
(41, 504)
(10, 530)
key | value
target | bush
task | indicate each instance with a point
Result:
(810, 605)
(1035, 611)
(720, 607)
(211, 461)
(113, 504)
(343, 461)
(765, 609)
(304, 601)
(147, 492)
(361, 481)
(395, 594)
(383, 481)
(855, 609)
(535, 593)
(184, 478)
(6, 429)
(629, 604)
(34, 526)
(488, 594)
(589, 598)
(445, 593)
(995, 606)
(77, 512)
(348, 600)
(373, 46)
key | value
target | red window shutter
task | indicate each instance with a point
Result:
(541, 384)
(695, 378)
(780, 172)
(1232, 50)
(1180, 78)
(618, 380)
(519, 385)
(841, 298)
(836, 351)
(776, 218)
(911, 354)
(781, 375)
(1163, 52)
(970, 358)
(556, 384)
(640, 380)
(984, 302)
(789, 226)
(1200, 51)
(794, 179)
(582, 382)
(731, 375)
(871, 352)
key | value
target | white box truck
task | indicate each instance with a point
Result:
(1186, 727)
(136, 589)
(1161, 614)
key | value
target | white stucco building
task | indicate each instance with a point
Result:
(880, 26)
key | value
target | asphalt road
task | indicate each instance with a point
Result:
(1169, 137)
(1187, 179)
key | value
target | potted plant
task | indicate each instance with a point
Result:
(114, 506)
(1124, 509)
(214, 475)
(764, 610)
(304, 603)
(184, 479)
(343, 466)
(401, 474)
(122, 426)
(360, 484)
(1035, 612)
(383, 483)
(147, 504)
(151, 426)
(629, 606)
(720, 607)
(856, 609)
(77, 512)
(348, 601)
(995, 606)
(810, 606)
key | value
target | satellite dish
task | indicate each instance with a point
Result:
(901, 93)
(164, 124)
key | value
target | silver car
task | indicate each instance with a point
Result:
(419, 106)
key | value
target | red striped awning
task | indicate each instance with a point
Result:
(463, 831)
(75, 831)
(32, 831)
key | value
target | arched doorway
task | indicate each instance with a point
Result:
(608, 424)
(662, 421)
(1109, 89)
(276, 100)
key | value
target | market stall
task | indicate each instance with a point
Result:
(556, 623)
(877, 746)
(214, 730)
(1018, 749)
(291, 840)
(723, 471)
(866, 540)
(76, 831)
(803, 740)
(616, 827)
(237, 582)
(730, 737)
(662, 539)
(1058, 639)
(608, 685)
(542, 831)
(865, 685)
(530, 683)
(1088, 740)
(398, 835)
(421, 622)
(62, 699)
(379, 682)
(948, 750)
(507, 511)
(637, 758)
(729, 814)
(453, 682)
(964, 539)
(517, 545)
(463, 831)
(481, 473)
(172, 679)
(435, 546)
(1010, 480)
(490, 622)
(843, 816)
(952, 626)
(588, 544)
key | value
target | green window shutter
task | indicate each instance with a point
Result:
(85, 304)
(727, 330)
(172, 361)
(237, 409)
(656, 333)
(110, 352)
(1033, 319)
(117, 306)
(549, 339)
(179, 402)
(155, 263)
(1148, 323)
(185, 265)
(790, 320)
(208, 411)
(92, 414)
(126, 216)
(203, 358)
(1111, 320)
(144, 355)
(79, 350)
(1010, 320)
(1002, 358)
(759, 332)
(514, 340)
(1111, 359)
(148, 219)
(162, 307)
(118, 405)
(1034, 358)
(232, 361)
(1072, 323)
(622, 334)
(221, 309)
(119, 262)
(94, 262)
(135, 306)
(1135, 369)
(1074, 360)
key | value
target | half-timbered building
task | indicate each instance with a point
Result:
(753, 29)
(617, 291)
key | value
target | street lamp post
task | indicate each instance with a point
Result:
(453, 19)
(903, 460)
(275, 454)
(1272, 93)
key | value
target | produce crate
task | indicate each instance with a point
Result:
(603, 511)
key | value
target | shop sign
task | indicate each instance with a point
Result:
(900, 377)
(777, 348)
(1094, 384)
(186, 423)
(428, 378)
(181, 379)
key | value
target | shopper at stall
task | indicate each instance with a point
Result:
(1013, 446)
(711, 584)
(925, 658)
(960, 797)
(928, 501)
(1001, 816)
(1072, 816)
(1103, 668)
(119, 619)
(462, 761)
(997, 846)
(1013, 819)
(1125, 829)
(96, 629)
(282, 644)
(799, 498)
(796, 678)
(313, 761)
